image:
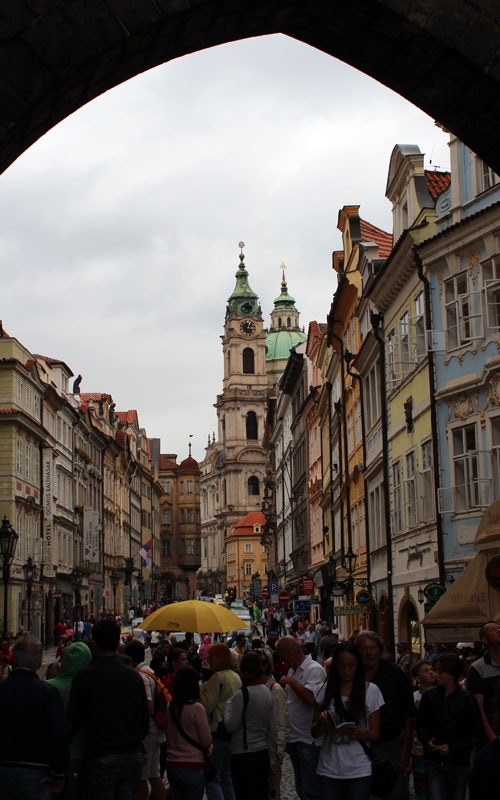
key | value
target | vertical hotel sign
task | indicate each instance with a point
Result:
(90, 535)
(48, 510)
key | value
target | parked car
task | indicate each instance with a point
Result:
(241, 610)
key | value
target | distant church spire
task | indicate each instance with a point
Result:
(243, 302)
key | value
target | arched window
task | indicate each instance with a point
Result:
(288, 322)
(252, 425)
(248, 361)
(279, 322)
(253, 485)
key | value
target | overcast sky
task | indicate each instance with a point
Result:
(120, 228)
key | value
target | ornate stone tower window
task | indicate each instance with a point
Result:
(248, 361)
(252, 432)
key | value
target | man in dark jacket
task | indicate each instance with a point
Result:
(34, 734)
(108, 701)
(449, 727)
(398, 712)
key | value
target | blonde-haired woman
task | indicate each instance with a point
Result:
(214, 695)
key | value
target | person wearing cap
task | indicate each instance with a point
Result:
(403, 656)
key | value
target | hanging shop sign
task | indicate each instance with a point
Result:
(346, 611)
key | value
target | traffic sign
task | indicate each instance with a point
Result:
(273, 587)
(284, 598)
(264, 593)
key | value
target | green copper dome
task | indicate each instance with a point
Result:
(243, 302)
(285, 331)
(279, 343)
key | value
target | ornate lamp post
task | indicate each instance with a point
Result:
(29, 577)
(114, 584)
(8, 542)
(349, 561)
(256, 585)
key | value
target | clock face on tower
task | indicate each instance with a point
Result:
(247, 327)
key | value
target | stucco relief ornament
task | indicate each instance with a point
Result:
(482, 417)
(494, 397)
(474, 265)
(440, 281)
(463, 407)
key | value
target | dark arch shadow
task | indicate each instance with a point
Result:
(441, 55)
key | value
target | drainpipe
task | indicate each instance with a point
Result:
(348, 357)
(346, 447)
(330, 451)
(338, 410)
(434, 421)
(376, 320)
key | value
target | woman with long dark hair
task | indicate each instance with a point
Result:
(188, 735)
(347, 714)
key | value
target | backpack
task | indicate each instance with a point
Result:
(160, 703)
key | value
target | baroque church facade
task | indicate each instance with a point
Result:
(234, 470)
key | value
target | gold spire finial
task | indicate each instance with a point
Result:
(283, 268)
(241, 245)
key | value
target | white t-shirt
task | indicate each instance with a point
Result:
(348, 760)
(311, 675)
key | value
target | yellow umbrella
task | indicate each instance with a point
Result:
(194, 616)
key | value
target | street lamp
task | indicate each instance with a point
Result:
(29, 577)
(76, 582)
(114, 585)
(256, 585)
(8, 542)
(349, 561)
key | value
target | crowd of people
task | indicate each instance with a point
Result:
(97, 730)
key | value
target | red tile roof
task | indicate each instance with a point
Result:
(437, 182)
(167, 463)
(127, 417)
(245, 526)
(189, 465)
(318, 328)
(95, 396)
(371, 233)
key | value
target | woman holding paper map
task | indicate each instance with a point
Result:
(347, 713)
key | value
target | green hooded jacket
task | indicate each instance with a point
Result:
(75, 657)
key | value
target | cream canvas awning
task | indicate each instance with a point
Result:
(470, 601)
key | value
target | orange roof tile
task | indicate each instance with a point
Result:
(128, 417)
(189, 465)
(245, 526)
(371, 233)
(167, 463)
(95, 396)
(437, 182)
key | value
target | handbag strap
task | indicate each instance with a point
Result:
(369, 752)
(184, 735)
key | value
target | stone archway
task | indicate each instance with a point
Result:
(409, 628)
(58, 55)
